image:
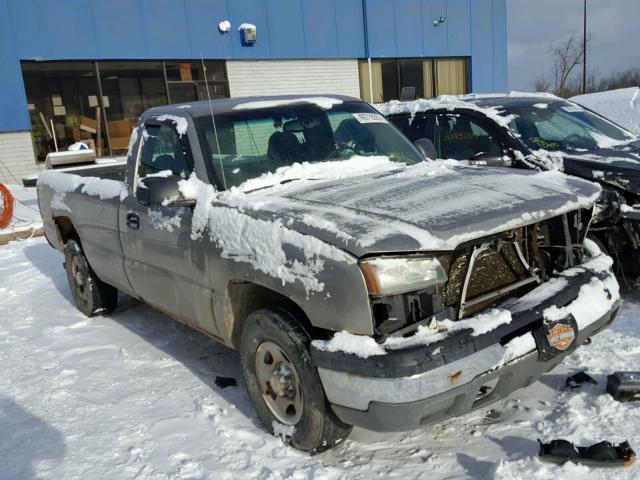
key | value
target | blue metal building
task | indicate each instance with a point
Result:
(69, 64)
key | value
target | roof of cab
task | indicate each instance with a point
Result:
(227, 105)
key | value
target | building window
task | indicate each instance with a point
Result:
(63, 105)
(66, 106)
(421, 77)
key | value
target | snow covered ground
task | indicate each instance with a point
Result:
(134, 395)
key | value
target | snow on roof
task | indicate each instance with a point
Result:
(511, 94)
(443, 102)
(180, 122)
(322, 102)
(621, 106)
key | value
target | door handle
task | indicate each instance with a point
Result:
(133, 221)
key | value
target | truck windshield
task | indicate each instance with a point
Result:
(564, 126)
(253, 142)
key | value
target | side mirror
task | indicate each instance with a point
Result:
(159, 191)
(426, 148)
(491, 159)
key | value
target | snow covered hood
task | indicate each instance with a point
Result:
(434, 206)
(618, 165)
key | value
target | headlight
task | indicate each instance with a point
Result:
(393, 275)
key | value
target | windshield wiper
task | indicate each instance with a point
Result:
(282, 182)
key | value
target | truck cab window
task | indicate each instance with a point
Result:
(461, 138)
(163, 150)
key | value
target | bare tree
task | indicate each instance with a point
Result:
(541, 84)
(624, 79)
(567, 55)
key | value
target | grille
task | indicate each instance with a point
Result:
(497, 266)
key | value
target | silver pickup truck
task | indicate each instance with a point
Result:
(360, 284)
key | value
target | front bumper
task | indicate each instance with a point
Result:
(406, 388)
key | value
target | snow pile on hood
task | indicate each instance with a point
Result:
(378, 207)
(621, 106)
(325, 103)
(62, 183)
(266, 245)
(443, 102)
(356, 165)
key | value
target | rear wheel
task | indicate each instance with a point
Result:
(283, 383)
(91, 295)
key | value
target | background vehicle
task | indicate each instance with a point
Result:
(540, 132)
(362, 286)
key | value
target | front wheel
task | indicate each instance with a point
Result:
(91, 295)
(283, 383)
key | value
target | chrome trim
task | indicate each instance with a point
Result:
(500, 291)
(477, 250)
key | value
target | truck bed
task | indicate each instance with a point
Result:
(106, 170)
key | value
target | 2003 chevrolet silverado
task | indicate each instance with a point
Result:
(360, 284)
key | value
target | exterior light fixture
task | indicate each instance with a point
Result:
(248, 32)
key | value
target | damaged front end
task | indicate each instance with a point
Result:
(483, 273)
(491, 317)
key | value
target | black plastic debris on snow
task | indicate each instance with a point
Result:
(224, 382)
(624, 386)
(602, 454)
(575, 381)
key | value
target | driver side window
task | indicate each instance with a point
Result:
(163, 150)
(460, 137)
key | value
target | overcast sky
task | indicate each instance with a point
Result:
(533, 25)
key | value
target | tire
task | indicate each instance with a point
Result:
(91, 295)
(308, 423)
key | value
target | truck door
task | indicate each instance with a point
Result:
(166, 268)
(458, 136)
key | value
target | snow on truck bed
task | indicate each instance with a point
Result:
(133, 395)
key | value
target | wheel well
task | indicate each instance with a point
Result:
(66, 230)
(244, 298)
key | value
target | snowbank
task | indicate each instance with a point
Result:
(621, 106)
